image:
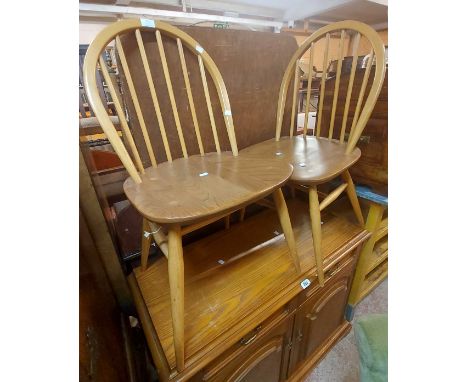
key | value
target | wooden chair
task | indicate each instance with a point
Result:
(327, 155)
(181, 194)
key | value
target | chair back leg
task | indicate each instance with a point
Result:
(351, 191)
(315, 219)
(285, 221)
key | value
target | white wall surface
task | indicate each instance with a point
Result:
(89, 29)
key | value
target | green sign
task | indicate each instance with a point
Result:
(220, 25)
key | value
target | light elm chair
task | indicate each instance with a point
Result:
(329, 154)
(182, 194)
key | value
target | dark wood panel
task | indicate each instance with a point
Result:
(261, 355)
(372, 167)
(321, 314)
(102, 356)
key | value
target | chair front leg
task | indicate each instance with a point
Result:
(351, 191)
(316, 223)
(176, 284)
(285, 221)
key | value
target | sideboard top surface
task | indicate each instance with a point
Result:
(236, 278)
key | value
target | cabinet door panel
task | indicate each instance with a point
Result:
(261, 356)
(321, 314)
(262, 365)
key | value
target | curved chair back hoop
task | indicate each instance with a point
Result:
(361, 116)
(94, 59)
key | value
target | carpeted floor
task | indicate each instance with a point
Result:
(342, 362)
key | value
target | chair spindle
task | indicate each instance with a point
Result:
(357, 39)
(322, 84)
(208, 102)
(170, 90)
(337, 84)
(154, 96)
(102, 93)
(357, 111)
(309, 87)
(189, 95)
(294, 109)
(122, 117)
(135, 101)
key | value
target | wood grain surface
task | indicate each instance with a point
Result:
(196, 188)
(372, 168)
(315, 160)
(234, 279)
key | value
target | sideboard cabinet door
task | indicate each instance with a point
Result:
(321, 314)
(259, 356)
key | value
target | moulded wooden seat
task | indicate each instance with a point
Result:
(315, 159)
(200, 187)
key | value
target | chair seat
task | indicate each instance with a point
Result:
(196, 188)
(315, 160)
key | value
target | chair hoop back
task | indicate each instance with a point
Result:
(94, 59)
(361, 116)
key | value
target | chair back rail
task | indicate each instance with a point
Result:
(364, 105)
(133, 160)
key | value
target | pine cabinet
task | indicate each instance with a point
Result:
(292, 341)
(249, 319)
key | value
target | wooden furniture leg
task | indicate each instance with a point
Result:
(283, 215)
(159, 237)
(176, 284)
(351, 191)
(372, 225)
(314, 209)
(242, 214)
(227, 221)
(292, 189)
(146, 239)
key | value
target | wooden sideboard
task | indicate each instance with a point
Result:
(247, 316)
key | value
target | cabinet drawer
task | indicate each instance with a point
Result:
(263, 352)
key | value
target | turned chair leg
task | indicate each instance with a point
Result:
(176, 284)
(351, 191)
(283, 215)
(316, 231)
(146, 240)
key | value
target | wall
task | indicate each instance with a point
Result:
(89, 30)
